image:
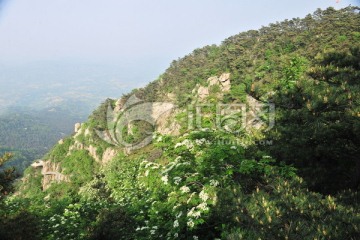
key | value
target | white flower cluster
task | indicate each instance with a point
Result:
(165, 179)
(204, 196)
(150, 164)
(177, 180)
(214, 183)
(176, 206)
(203, 207)
(141, 229)
(191, 223)
(202, 141)
(179, 215)
(174, 164)
(185, 189)
(187, 143)
(159, 139)
(194, 214)
(176, 224)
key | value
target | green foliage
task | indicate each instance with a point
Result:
(74, 222)
(29, 134)
(80, 166)
(33, 186)
(292, 72)
(121, 179)
(114, 223)
(318, 123)
(59, 151)
(98, 117)
(96, 189)
(6, 176)
(239, 92)
(211, 184)
(22, 225)
(209, 190)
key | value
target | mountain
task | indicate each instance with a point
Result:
(257, 138)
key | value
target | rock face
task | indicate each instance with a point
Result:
(37, 163)
(77, 127)
(213, 81)
(203, 92)
(223, 82)
(108, 155)
(119, 104)
(166, 125)
(51, 172)
(92, 151)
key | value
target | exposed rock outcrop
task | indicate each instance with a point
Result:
(213, 81)
(166, 124)
(108, 155)
(77, 127)
(37, 163)
(203, 92)
(223, 82)
(51, 172)
(119, 104)
(87, 132)
(92, 152)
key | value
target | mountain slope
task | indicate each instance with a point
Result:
(208, 150)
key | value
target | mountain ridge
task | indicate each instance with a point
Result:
(293, 84)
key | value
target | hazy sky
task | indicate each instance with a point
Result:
(146, 33)
(133, 29)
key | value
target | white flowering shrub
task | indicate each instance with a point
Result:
(73, 222)
(199, 187)
(186, 188)
(206, 190)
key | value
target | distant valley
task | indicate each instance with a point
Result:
(41, 101)
(29, 134)
(79, 87)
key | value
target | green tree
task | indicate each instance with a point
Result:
(318, 125)
(6, 176)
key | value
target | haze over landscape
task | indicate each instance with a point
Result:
(67, 52)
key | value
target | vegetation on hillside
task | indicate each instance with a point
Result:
(212, 184)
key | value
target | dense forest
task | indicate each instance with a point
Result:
(28, 134)
(211, 182)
